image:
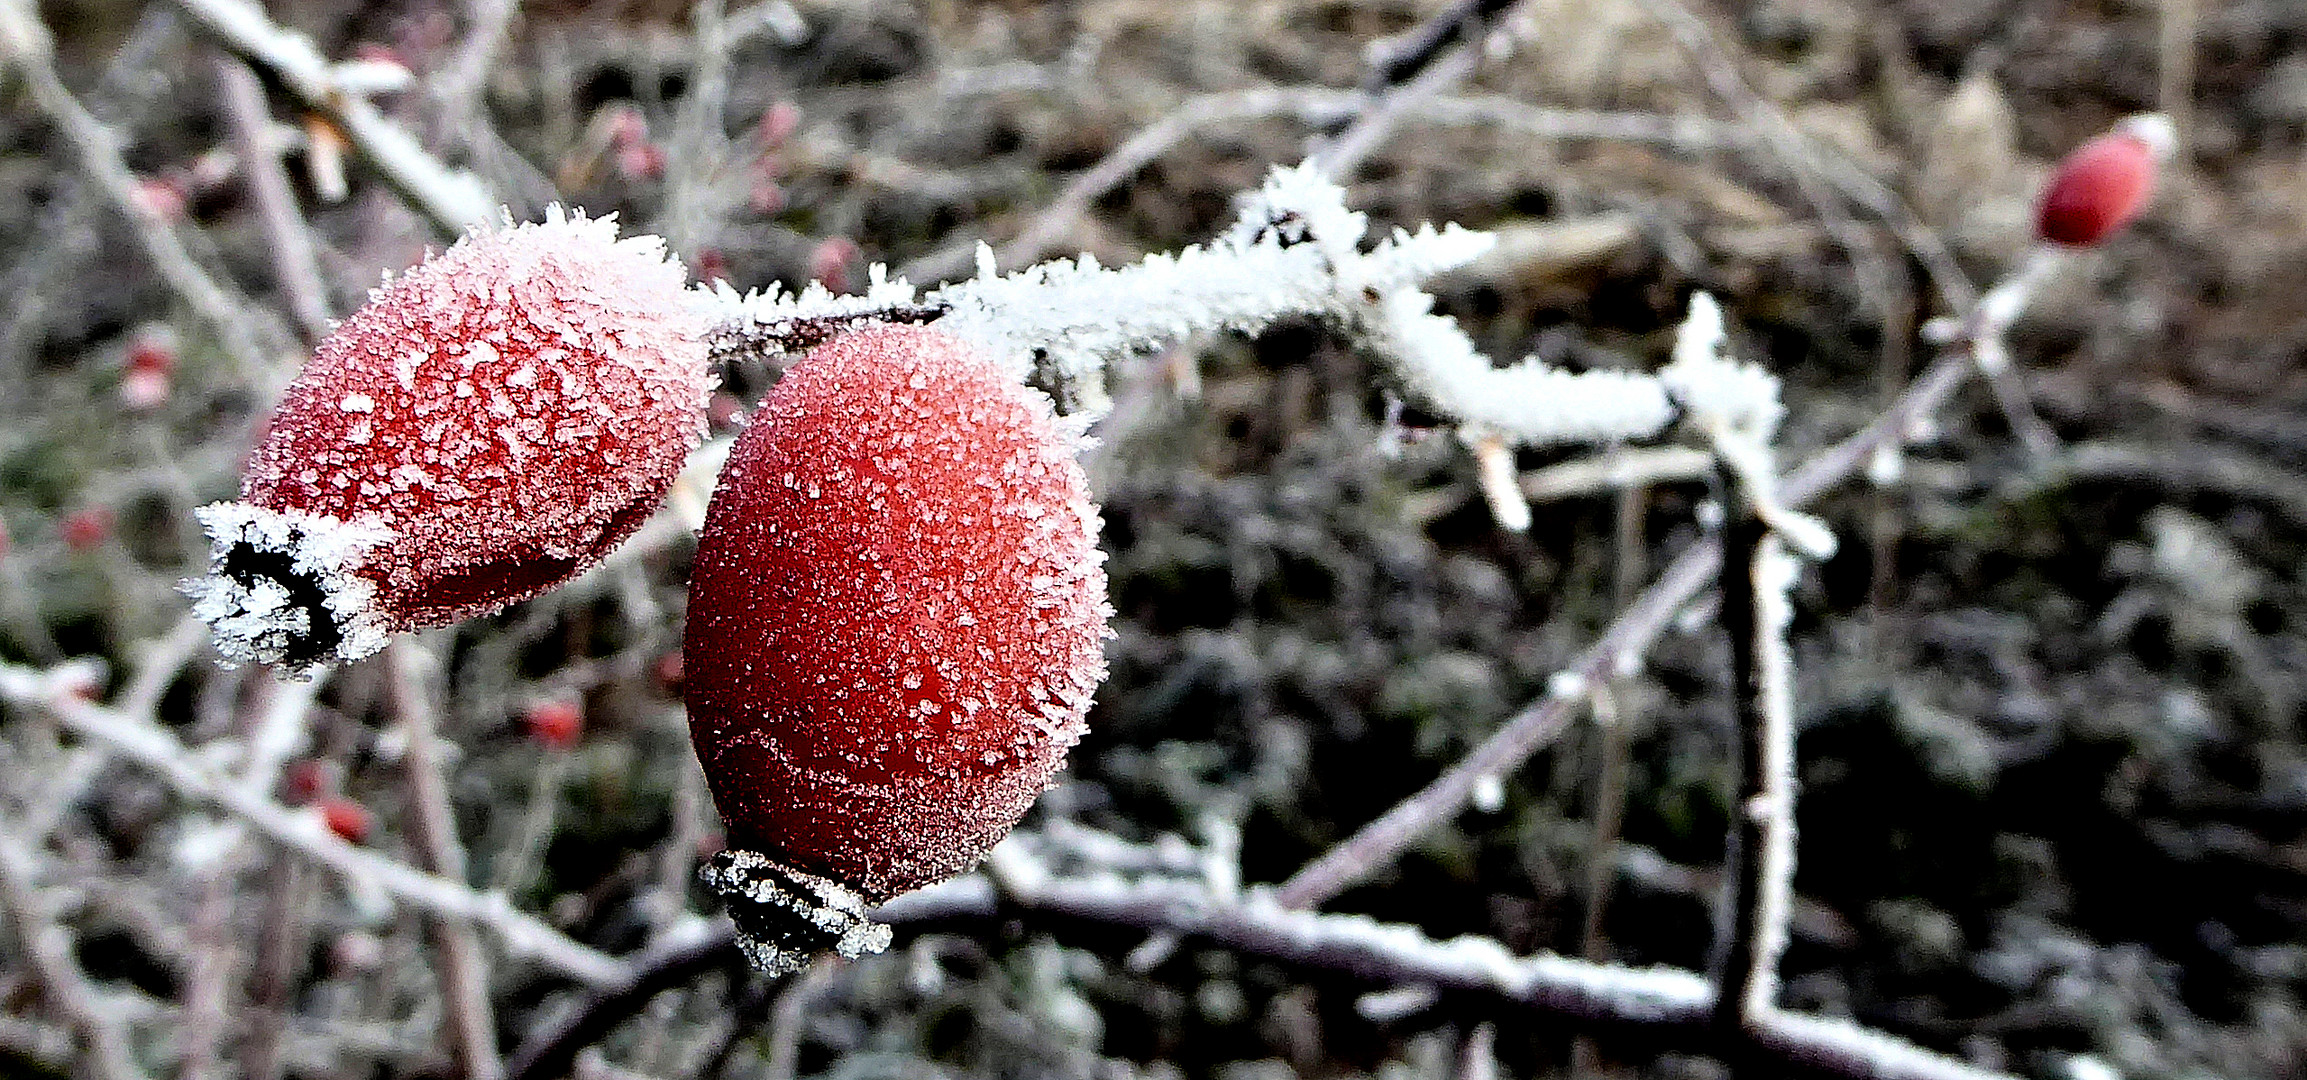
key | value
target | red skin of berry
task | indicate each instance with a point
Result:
(304, 780)
(895, 614)
(83, 530)
(512, 409)
(350, 821)
(2100, 187)
(557, 725)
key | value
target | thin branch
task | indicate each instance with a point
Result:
(453, 199)
(1651, 1009)
(140, 741)
(295, 266)
(25, 40)
(471, 1025)
(104, 1036)
(1751, 923)
(1620, 648)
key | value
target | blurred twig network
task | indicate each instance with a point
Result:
(1663, 538)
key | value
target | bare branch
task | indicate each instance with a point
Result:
(151, 748)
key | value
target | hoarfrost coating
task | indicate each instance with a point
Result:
(895, 614)
(485, 428)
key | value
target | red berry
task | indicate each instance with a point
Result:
(83, 530)
(152, 351)
(2104, 183)
(306, 779)
(894, 626)
(778, 123)
(350, 821)
(485, 428)
(556, 724)
(669, 673)
(143, 388)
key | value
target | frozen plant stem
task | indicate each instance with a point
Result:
(1751, 921)
(470, 1025)
(138, 740)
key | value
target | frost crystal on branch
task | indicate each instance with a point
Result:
(1295, 249)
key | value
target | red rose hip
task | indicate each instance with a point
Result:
(487, 427)
(895, 625)
(2104, 183)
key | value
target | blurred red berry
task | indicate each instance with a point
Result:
(895, 618)
(831, 261)
(2104, 184)
(557, 725)
(712, 265)
(165, 198)
(669, 673)
(767, 196)
(142, 389)
(641, 161)
(487, 427)
(778, 123)
(306, 779)
(350, 821)
(84, 530)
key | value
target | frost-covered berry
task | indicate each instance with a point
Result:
(894, 632)
(488, 426)
(2104, 183)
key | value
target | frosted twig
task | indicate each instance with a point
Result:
(105, 1049)
(25, 40)
(1620, 648)
(1659, 1008)
(1751, 922)
(288, 238)
(141, 742)
(1619, 469)
(453, 199)
(471, 1026)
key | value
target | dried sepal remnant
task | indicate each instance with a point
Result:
(2103, 184)
(895, 614)
(489, 425)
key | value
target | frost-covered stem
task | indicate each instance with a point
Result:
(455, 200)
(146, 745)
(25, 41)
(1399, 57)
(1621, 646)
(1622, 469)
(210, 978)
(459, 84)
(519, 862)
(1751, 921)
(279, 960)
(105, 1051)
(288, 238)
(463, 970)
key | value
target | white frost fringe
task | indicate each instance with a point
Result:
(257, 618)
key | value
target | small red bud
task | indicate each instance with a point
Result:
(306, 779)
(487, 427)
(669, 675)
(894, 626)
(641, 161)
(84, 529)
(350, 821)
(2104, 183)
(556, 725)
(154, 351)
(830, 262)
(778, 123)
(165, 198)
(142, 388)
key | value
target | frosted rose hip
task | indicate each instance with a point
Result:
(487, 427)
(894, 631)
(2104, 183)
